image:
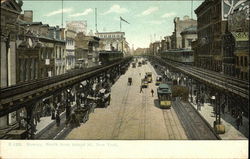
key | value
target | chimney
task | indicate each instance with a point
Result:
(28, 16)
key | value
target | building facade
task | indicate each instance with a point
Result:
(50, 53)
(188, 35)
(237, 42)
(113, 41)
(70, 49)
(211, 27)
(86, 50)
(55, 33)
(179, 26)
(77, 26)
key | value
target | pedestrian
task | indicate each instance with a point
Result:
(58, 119)
(140, 74)
(152, 91)
(141, 89)
(53, 114)
(238, 122)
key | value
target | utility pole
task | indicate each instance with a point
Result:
(96, 20)
(191, 9)
(120, 24)
(62, 13)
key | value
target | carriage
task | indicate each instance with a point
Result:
(130, 81)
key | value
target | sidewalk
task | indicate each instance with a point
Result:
(46, 122)
(231, 132)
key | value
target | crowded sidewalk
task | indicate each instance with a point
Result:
(227, 120)
(46, 122)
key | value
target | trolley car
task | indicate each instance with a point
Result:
(164, 94)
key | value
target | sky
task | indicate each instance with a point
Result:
(149, 20)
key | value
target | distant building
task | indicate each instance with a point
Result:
(10, 11)
(41, 51)
(179, 26)
(156, 47)
(86, 50)
(188, 35)
(111, 41)
(70, 48)
(77, 26)
(168, 42)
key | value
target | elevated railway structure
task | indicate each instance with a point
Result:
(28, 96)
(196, 127)
(223, 87)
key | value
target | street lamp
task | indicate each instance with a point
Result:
(191, 90)
(68, 106)
(218, 127)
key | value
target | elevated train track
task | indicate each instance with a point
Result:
(14, 97)
(229, 84)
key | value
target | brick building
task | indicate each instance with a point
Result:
(210, 28)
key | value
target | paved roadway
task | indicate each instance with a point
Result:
(131, 114)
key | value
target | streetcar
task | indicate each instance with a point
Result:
(164, 94)
(149, 76)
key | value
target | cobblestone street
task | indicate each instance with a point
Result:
(131, 114)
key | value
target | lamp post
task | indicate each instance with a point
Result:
(191, 90)
(219, 128)
(68, 106)
(215, 108)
